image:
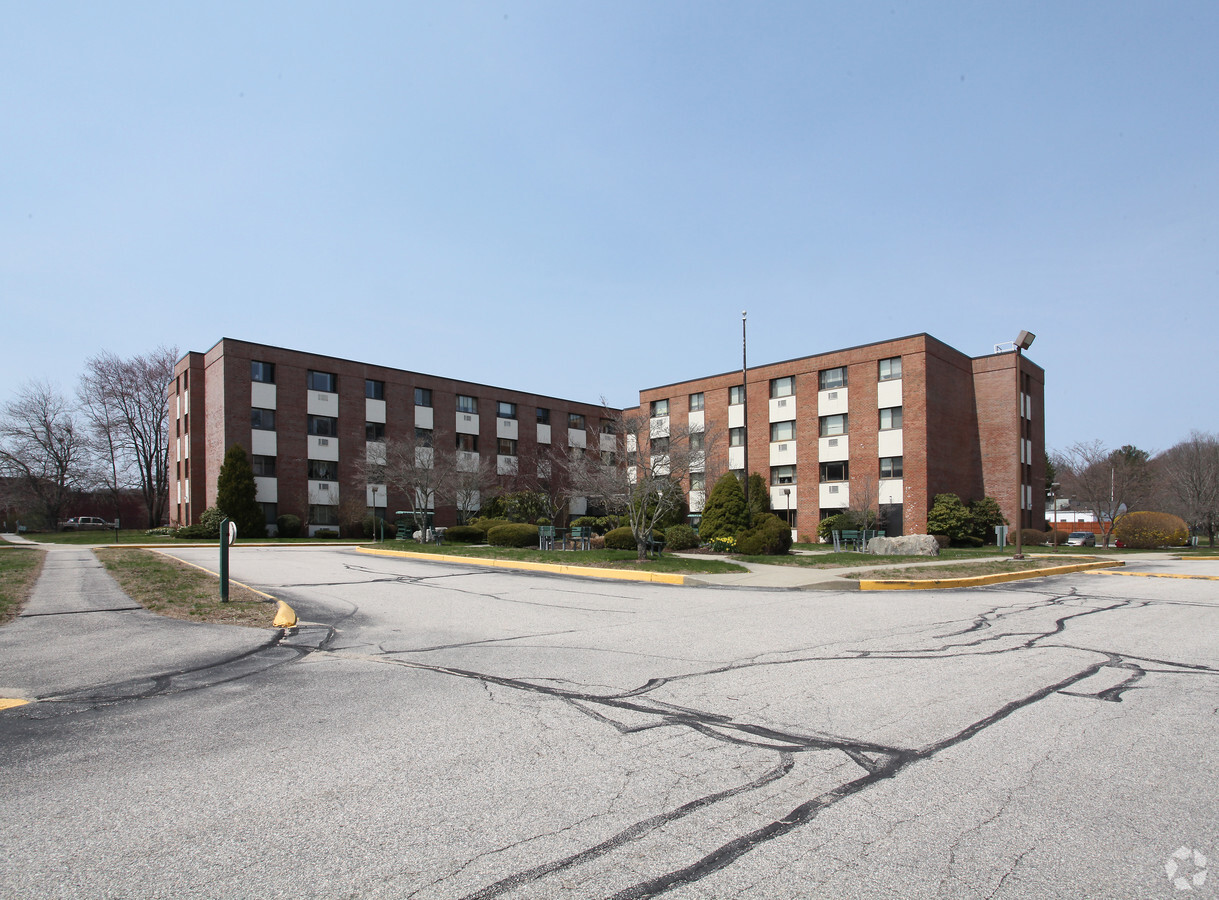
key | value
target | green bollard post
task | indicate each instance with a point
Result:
(224, 560)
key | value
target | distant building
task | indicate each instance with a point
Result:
(898, 421)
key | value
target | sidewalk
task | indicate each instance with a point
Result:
(80, 631)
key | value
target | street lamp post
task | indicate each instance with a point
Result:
(787, 495)
(745, 400)
(1054, 503)
(1023, 341)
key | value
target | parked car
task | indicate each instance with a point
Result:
(86, 523)
(1081, 539)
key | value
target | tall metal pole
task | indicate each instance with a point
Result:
(1019, 456)
(745, 400)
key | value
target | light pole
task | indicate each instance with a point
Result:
(787, 495)
(1023, 341)
(745, 401)
(1054, 503)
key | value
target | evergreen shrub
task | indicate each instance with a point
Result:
(513, 534)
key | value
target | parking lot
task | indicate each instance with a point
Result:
(438, 731)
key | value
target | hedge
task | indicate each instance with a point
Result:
(515, 534)
(465, 534)
(620, 539)
(1148, 530)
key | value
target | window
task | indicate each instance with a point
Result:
(698, 440)
(322, 381)
(323, 426)
(423, 436)
(660, 445)
(736, 437)
(783, 431)
(833, 425)
(323, 515)
(505, 410)
(423, 396)
(575, 421)
(323, 470)
(736, 394)
(660, 408)
(696, 402)
(577, 452)
(270, 512)
(467, 404)
(890, 467)
(543, 416)
(263, 465)
(262, 371)
(262, 419)
(832, 379)
(374, 431)
(467, 443)
(374, 390)
(782, 474)
(782, 387)
(607, 426)
(890, 369)
(506, 447)
(835, 471)
(698, 481)
(891, 418)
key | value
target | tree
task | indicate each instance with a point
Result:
(1105, 481)
(414, 469)
(471, 480)
(725, 513)
(1188, 476)
(123, 401)
(44, 449)
(949, 516)
(865, 501)
(236, 493)
(759, 497)
(652, 483)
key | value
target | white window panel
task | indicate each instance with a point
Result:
(425, 417)
(658, 426)
(779, 501)
(736, 457)
(374, 495)
(467, 461)
(326, 448)
(782, 409)
(262, 395)
(505, 465)
(609, 443)
(696, 421)
(736, 416)
(467, 423)
(891, 491)
(889, 443)
(832, 449)
(783, 453)
(835, 496)
(322, 403)
(507, 428)
(543, 434)
(374, 410)
(831, 403)
(577, 438)
(266, 490)
(888, 393)
(263, 443)
(323, 493)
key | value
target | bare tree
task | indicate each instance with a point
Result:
(473, 476)
(414, 469)
(865, 501)
(1189, 479)
(1104, 481)
(652, 482)
(44, 449)
(124, 403)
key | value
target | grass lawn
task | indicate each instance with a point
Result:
(174, 589)
(19, 568)
(601, 559)
(135, 536)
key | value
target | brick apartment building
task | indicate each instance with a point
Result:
(900, 420)
(307, 421)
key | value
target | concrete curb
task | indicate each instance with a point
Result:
(583, 571)
(866, 584)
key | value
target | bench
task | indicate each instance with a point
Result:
(652, 544)
(545, 537)
(581, 537)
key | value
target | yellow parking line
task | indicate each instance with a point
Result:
(1164, 575)
(9, 703)
(586, 571)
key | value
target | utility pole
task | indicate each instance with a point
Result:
(745, 400)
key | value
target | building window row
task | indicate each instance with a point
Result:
(890, 417)
(326, 382)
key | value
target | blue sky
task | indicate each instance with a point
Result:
(579, 198)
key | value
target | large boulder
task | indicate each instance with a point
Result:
(906, 545)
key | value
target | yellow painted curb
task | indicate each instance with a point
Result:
(931, 584)
(585, 571)
(9, 703)
(1165, 575)
(285, 617)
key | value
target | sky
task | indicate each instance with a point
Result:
(580, 199)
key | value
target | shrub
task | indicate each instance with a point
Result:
(680, 537)
(465, 534)
(771, 537)
(196, 532)
(984, 515)
(1029, 537)
(597, 542)
(326, 533)
(1148, 530)
(948, 515)
(620, 539)
(487, 524)
(514, 534)
(841, 522)
(723, 544)
(236, 494)
(288, 525)
(374, 526)
(210, 519)
(724, 514)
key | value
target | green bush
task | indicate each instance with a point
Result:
(725, 513)
(984, 515)
(288, 525)
(948, 515)
(1148, 530)
(680, 537)
(770, 537)
(514, 534)
(842, 522)
(210, 519)
(620, 539)
(196, 532)
(465, 534)
(374, 526)
(486, 524)
(326, 533)
(1029, 537)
